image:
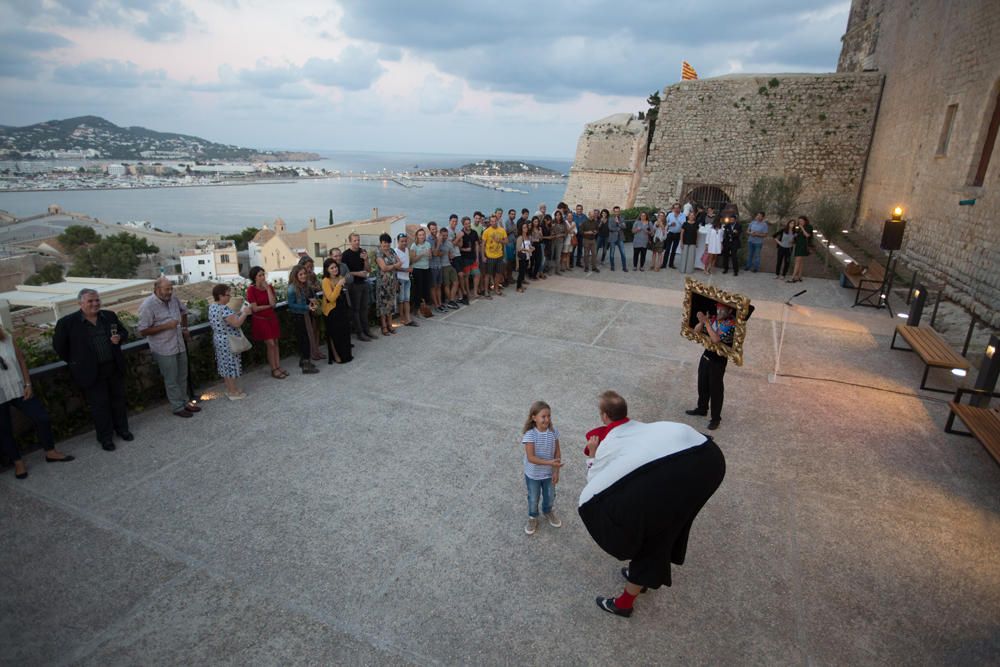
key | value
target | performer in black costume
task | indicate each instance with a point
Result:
(646, 485)
(712, 367)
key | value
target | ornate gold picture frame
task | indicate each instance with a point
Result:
(701, 297)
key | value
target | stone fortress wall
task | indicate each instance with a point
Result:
(608, 160)
(904, 121)
(942, 69)
(729, 131)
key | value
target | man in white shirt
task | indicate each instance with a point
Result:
(403, 276)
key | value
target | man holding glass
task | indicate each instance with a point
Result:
(163, 320)
(90, 341)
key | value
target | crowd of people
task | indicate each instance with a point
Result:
(430, 270)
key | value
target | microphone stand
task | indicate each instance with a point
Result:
(775, 377)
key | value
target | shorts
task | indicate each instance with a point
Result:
(435, 276)
(495, 265)
(471, 268)
(448, 275)
(404, 291)
(457, 263)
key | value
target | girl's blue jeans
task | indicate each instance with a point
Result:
(540, 487)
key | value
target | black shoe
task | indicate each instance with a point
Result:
(625, 270)
(714, 424)
(127, 436)
(697, 412)
(726, 271)
(329, 360)
(612, 268)
(309, 369)
(596, 270)
(608, 605)
(184, 413)
(108, 446)
(465, 300)
(625, 574)
(65, 459)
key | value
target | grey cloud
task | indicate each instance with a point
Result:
(19, 51)
(108, 74)
(33, 40)
(269, 77)
(566, 47)
(15, 65)
(152, 20)
(354, 69)
(390, 53)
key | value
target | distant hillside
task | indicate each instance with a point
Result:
(491, 168)
(94, 137)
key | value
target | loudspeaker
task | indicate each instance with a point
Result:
(892, 235)
(917, 305)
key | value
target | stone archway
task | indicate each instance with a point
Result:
(708, 195)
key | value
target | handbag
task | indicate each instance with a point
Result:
(238, 343)
(704, 258)
(573, 241)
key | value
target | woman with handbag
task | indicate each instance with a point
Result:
(228, 339)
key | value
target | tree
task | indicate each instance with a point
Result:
(48, 274)
(759, 196)
(785, 191)
(139, 245)
(243, 238)
(654, 111)
(830, 216)
(111, 258)
(75, 236)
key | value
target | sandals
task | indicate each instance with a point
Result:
(278, 374)
(385, 332)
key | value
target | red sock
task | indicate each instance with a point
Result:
(624, 601)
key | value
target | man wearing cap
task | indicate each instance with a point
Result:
(712, 367)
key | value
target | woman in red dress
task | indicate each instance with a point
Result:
(264, 323)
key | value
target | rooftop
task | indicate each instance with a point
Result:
(373, 513)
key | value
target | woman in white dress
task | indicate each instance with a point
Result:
(713, 245)
(568, 246)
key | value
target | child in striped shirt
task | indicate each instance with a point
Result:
(541, 464)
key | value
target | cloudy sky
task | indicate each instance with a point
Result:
(516, 77)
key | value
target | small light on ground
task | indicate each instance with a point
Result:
(960, 372)
(903, 315)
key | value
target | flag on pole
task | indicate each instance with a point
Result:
(687, 72)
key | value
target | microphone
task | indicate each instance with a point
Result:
(789, 302)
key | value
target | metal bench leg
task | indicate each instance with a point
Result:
(892, 344)
(923, 383)
(949, 426)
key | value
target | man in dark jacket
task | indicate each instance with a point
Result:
(732, 239)
(90, 341)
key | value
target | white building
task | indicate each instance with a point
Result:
(117, 170)
(215, 260)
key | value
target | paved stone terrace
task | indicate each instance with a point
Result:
(372, 514)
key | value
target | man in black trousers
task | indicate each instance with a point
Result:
(90, 341)
(712, 366)
(732, 239)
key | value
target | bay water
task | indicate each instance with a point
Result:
(228, 209)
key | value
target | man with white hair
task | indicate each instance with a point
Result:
(90, 342)
(163, 320)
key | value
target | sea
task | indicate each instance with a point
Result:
(231, 208)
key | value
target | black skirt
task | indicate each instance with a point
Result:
(645, 517)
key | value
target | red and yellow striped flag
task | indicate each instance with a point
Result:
(687, 72)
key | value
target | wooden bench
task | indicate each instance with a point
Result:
(933, 350)
(868, 283)
(983, 423)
